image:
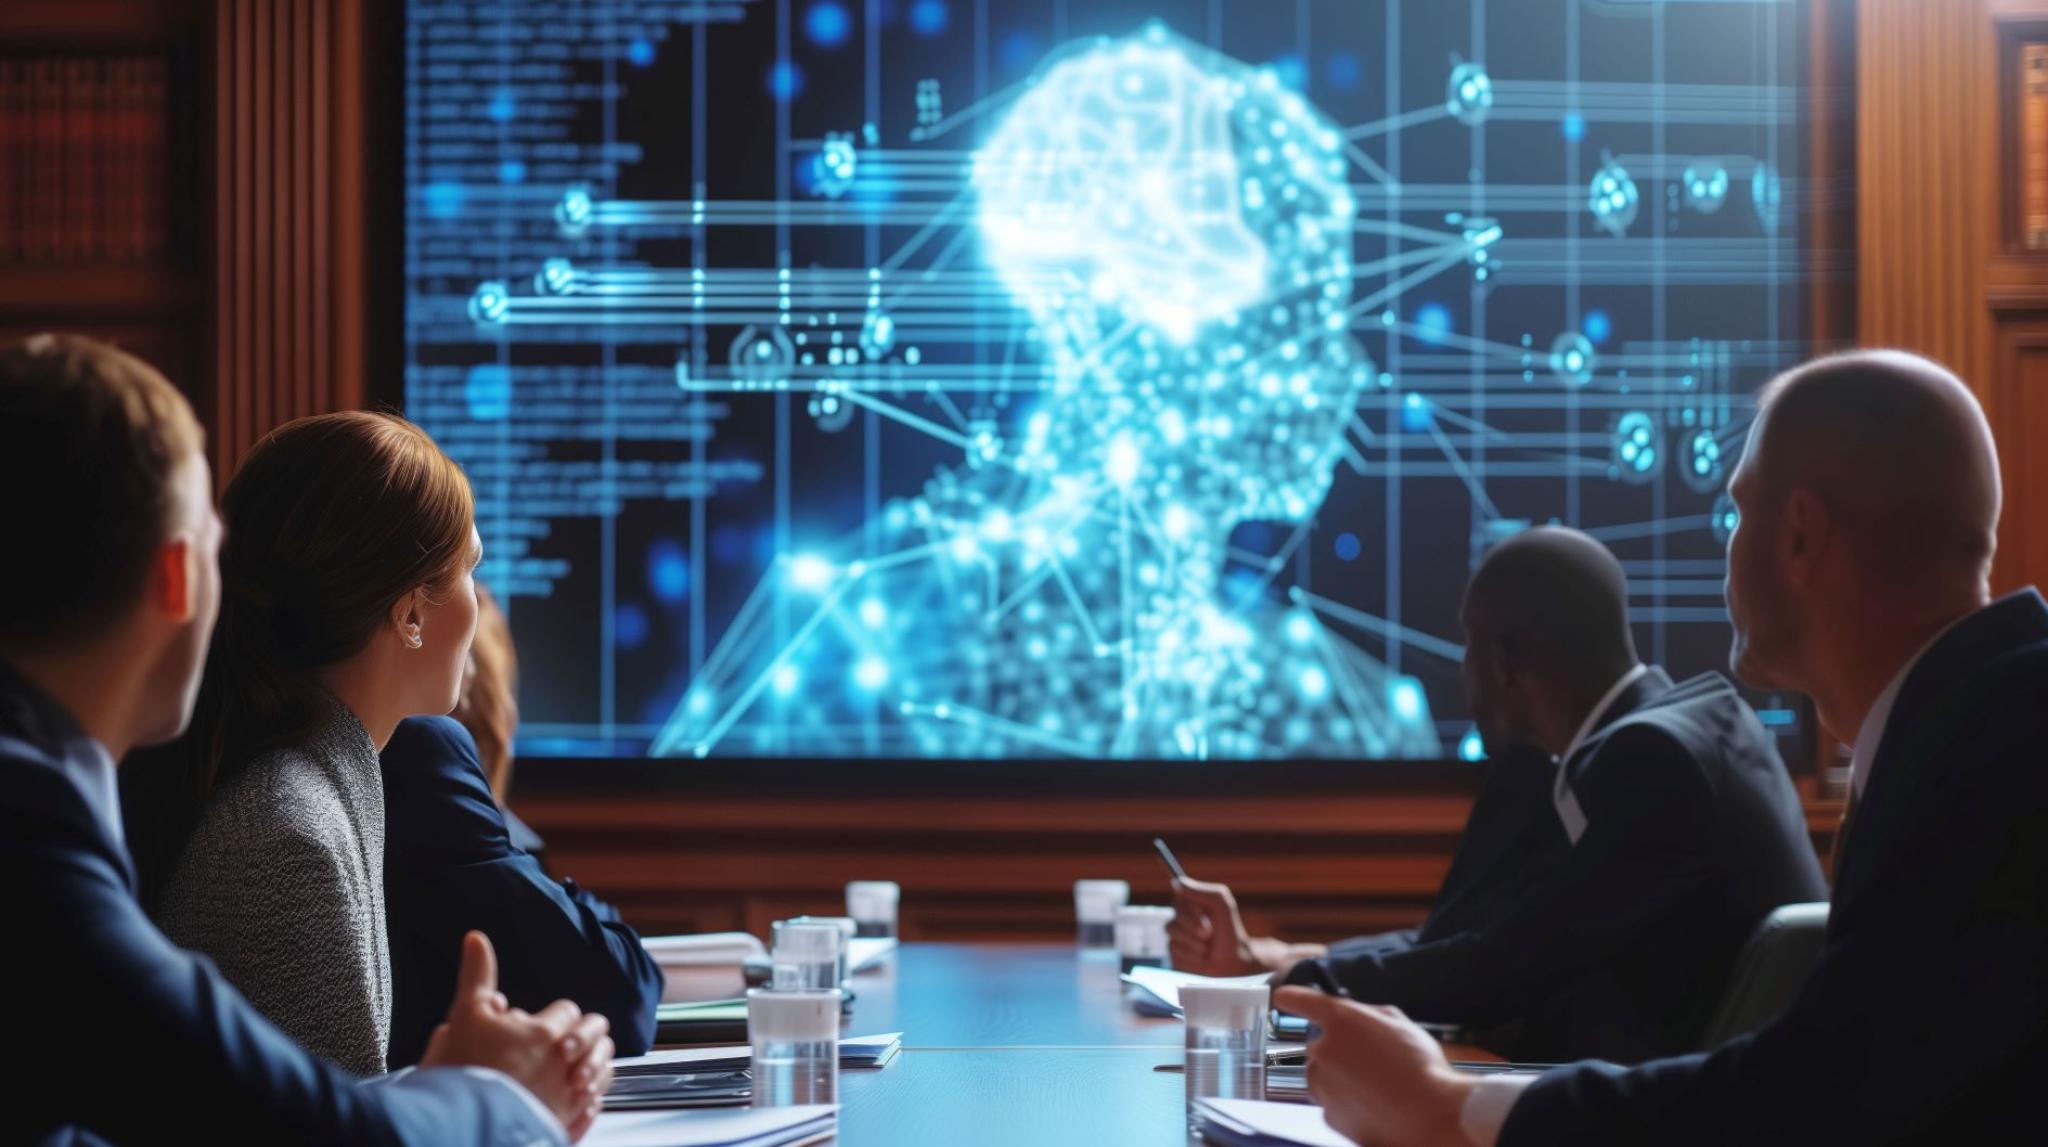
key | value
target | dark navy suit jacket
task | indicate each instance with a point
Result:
(1623, 948)
(129, 1039)
(1512, 842)
(1926, 1019)
(450, 865)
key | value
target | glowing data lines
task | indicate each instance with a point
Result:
(761, 358)
(1705, 186)
(1725, 518)
(489, 303)
(1469, 95)
(555, 277)
(1154, 172)
(833, 168)
(1572, 359)
(1612, 198)
(1700, 464)
(1636, 453)
(573, 212)
(1765, 195)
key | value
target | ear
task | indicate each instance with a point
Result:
(1804, 532)
(408, 618)
(173, 580)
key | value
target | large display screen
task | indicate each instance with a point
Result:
(952, 379)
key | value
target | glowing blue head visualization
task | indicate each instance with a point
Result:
(1112, 380)
(1176, 229)
(1178, 226)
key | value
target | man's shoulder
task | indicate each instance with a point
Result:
(1702, 716)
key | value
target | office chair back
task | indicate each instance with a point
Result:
(1769, 970)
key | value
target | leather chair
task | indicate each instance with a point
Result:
(1769, 971)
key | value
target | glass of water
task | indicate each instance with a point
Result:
(1095, 905)
(807, 955)
(1140, 931)
(1226, 1041)
(795, 1038)
(872, 904)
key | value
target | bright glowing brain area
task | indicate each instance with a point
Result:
(1136, 177)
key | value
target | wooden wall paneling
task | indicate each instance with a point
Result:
(1315, 866)
(1935, 272)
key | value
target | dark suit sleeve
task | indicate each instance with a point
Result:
(1932, 986)
(450, 866)
(135, 1038)
(1645, 847)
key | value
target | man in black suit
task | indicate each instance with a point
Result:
(113, 587)
(1681, 830)
(1869, 498)
(451, 866)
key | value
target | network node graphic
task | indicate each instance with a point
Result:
(1572, 359)
(834, 167)
(1706, 187)
(1701, 466)
(1612, 199)
(1636, 452)
(1469, 95)
(555, 277)
(489, 303)
(573, 213)
(761, 357)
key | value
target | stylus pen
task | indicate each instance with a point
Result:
(1167, 858)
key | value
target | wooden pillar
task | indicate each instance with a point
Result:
(289, 202)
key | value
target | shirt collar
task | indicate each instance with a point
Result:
(1600, 707)
(1870, 736)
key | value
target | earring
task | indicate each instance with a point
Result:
(413, 639)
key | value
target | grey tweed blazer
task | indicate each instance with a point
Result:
(283, 886)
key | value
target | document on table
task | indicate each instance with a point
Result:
(732, 1127)
(1163, 985)
(854, 1051)
(1254, 1123)
(864, 952)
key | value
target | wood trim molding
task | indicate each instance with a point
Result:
(1307, 866)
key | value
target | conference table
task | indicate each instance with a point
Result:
(1010, 1044)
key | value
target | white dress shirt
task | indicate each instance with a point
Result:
(1567, 802)
(1870, 736)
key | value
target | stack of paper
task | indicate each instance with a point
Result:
(1158, 989)
(742, 1127)
(704, 966)
(864, 952)
(1251, 1123)
(855, 1052)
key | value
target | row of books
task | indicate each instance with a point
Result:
(83, 150)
